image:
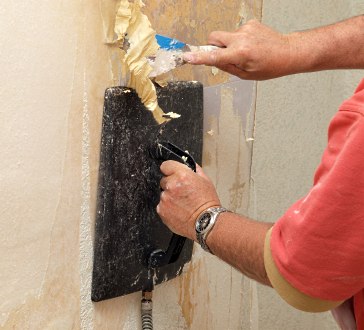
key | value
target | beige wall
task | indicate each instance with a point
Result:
(292, 116)
(55, 67)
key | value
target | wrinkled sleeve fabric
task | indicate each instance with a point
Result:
(317, 246)
(289, 293)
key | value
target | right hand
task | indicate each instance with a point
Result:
(253, 52)
(185, 196)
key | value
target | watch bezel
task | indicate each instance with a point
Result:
(200, 218)
(201, 235)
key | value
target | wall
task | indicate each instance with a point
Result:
(55, 66)
(292, 117)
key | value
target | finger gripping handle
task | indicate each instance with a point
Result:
(168, 151)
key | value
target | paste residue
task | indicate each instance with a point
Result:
(136, 39)
(172, 115)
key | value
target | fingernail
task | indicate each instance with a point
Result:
(188, 57)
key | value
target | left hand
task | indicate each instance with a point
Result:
(185, 195)
(254, 52)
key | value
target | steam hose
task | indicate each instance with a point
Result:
(147, 308)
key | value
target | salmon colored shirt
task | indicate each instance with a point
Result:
(318, 244)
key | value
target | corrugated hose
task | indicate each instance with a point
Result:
(146, 312)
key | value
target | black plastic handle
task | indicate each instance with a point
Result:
(168, 151)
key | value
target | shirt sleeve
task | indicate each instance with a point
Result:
(317, 246)
(290, 294)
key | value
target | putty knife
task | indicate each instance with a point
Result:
(170, 54)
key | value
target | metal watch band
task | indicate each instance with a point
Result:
(202, 237)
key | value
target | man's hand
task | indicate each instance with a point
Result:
(185, 195)
(235, 239)
(254, 51)
(257, 52)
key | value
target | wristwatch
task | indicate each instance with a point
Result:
(204, 224)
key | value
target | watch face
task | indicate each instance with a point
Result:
(203, 222)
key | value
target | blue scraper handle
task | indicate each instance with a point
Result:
(169, 43)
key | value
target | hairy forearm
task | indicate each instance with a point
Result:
(240, 242)
(336, 46)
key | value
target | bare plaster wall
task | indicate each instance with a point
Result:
(55, 65)
(292, 116)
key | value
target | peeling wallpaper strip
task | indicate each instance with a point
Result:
(133, 29)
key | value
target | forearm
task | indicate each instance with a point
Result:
(336, 46)
(257, 52)
(240, 242)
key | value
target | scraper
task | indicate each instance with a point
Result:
(170, 54)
